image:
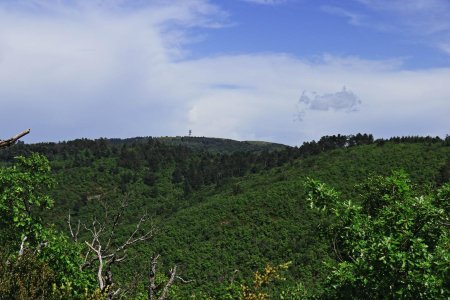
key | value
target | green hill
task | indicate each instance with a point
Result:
(218, 145)
(262, 218)
(209, 144)
(224, 211)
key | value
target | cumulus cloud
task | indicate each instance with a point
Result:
(90, 68)
(84, 69)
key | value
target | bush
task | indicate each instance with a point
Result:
(388, 243)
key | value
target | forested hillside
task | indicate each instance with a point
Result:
(221, 210)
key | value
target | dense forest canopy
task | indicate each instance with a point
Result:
(224, 219)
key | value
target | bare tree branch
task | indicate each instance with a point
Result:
(11, 141)
(153, 287)
(165, 292)
(132, 239)
(117, 217)
(74, 235)
(100, 279)
(184, 280)
(22, 246)
(151, 278)
(103, 248)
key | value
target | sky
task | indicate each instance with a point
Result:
(284, 71)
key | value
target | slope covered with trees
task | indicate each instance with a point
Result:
(264, 218)
(220, 216)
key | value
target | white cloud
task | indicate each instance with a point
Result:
(266, 2)
(88, 71)
(94, 65)
(445, 47)
(353, 17)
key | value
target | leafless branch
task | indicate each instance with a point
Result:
(151, 278)
(153, 287)
(133, 239)
(184, 280)
(103, 251)
(11, 141)
(22, 246)
(116, 220)
(98, 252)
(165, 292)
(72, 233)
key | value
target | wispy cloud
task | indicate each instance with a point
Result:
(445, 47)
(427, 21)
(353, 18)
(416, 16)
(266, 2)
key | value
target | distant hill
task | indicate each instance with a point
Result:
(219, 145)
(210, 144)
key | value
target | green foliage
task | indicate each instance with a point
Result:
(24, 189)
(319, 195)
(221, 211)
(388, 243)
(47, 265)
(64, 257)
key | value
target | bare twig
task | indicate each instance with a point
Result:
(184, 280)
(11, 141)
(153, 287)
(72, 233)
(117, 217)
(165, 292)
(22, 245)
(151, 278)
(100, 279)
(132, 239)
(103, 249)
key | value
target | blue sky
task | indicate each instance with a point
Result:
(310, 28)
(284, 71)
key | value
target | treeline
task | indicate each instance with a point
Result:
(332, 142)
(180, 147)
(192, 168)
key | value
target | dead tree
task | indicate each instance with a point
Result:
(153, 288)
(104, 249)
(161, 291)
(11, 141)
